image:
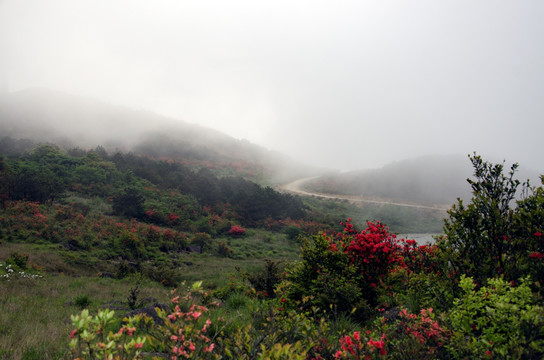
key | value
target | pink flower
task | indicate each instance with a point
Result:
(196, 314)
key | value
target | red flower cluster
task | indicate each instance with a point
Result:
(374, 250)
(355, 346)
(237, 230)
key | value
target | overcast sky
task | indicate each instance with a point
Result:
(341, 84)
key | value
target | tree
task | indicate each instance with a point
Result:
(479, 239)
(130, 203)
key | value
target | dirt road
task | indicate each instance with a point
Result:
(295, 187)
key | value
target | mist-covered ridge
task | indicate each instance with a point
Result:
(43, 115)
(426, 180)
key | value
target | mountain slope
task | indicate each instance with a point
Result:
(43, 115)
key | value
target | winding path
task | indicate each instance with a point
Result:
(295, 187)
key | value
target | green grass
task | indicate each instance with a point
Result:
(399, 219)
(35, 317)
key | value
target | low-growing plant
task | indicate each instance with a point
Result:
(8, 272)
(92, 337)
(279, 333)
(132, 298)
(179, 333)
(265, 281)
(407, 336)
(82, 301)
(18, 261)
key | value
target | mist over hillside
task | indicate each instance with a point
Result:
(43, 115)
(427, 180)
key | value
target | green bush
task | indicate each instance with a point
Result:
(82, 301)
(265, 281)
(500, 320)
(327, 278)
(495, 234)
(18, 261)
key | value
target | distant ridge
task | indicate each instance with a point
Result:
(428, 180)
(432, 180)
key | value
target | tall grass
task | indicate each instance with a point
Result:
(35, 317)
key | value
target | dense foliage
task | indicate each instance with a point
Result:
(47, 172)
(374, 278)
(353, 294)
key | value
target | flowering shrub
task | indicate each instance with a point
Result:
(92, 339)
(237, 231)
(18, 260)
(181, 332)
(374, 251)
(7, 273)
(359, 347)
(17, 266)
(529, 237)
(64, 224)
(417, 336)
(351, 269)
(410, 336)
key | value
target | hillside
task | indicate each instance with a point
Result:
(272, 273)
(426, 180)
(42, 115)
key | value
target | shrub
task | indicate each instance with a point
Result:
(18, 261)
(237, 231)
(326, 277)
(223, 249)
(528, 239)
(265, 282)
(499, 320)
(292, 232)
(347, 270)
(82, 301)
(92, 337)
(278, 333)
(408, 336)
(203, 240)
(180, 334)
(129, 203)
(478, 236)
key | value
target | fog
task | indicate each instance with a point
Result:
(345, 85)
